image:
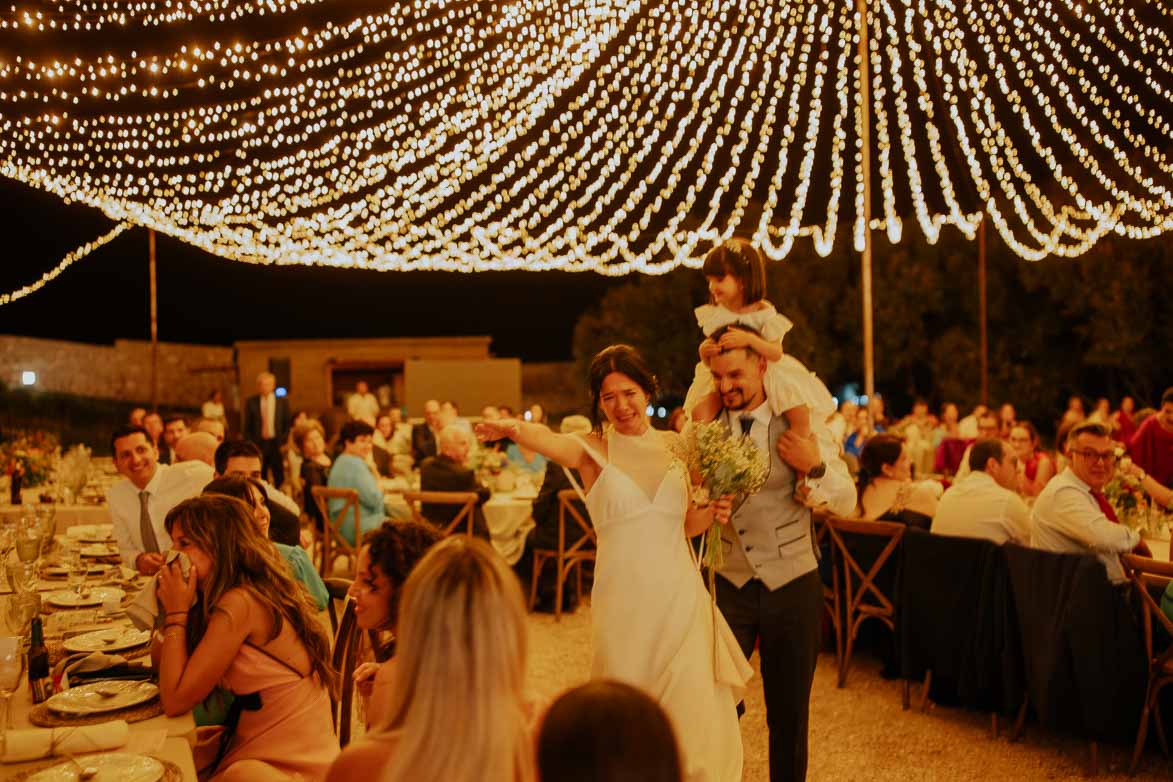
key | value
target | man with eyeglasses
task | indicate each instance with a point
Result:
(1071, 514)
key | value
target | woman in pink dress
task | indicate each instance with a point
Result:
(240, 621)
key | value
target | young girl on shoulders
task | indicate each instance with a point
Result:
(736, 274)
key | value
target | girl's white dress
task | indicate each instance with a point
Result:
(653, 622)
(787, 382)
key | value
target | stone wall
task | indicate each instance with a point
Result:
(187, 373)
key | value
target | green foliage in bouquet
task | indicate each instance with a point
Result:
(30, 453)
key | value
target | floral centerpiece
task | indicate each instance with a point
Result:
(73, 472)
(32, 454)
(1133, 506)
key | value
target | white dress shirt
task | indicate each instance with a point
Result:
(977, 507)
(967, 428)
(171, 485)
(835, 490)
(268, 416)
(363, 407)
(1067, 518)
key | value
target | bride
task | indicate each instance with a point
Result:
(652, 620)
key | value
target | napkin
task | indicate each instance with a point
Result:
(144, 611)
(83, 663)
(24, 745)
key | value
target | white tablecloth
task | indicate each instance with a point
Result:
(509, 519)
(67, 515)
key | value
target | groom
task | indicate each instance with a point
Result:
(769, 589)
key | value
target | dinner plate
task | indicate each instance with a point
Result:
(111, 767)
(91, 533)
(58, 571)
(98, 550)
(95, 596)
(99, 697)
(108, 639)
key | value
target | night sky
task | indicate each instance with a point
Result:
(208, 300)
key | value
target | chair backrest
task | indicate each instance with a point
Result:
(337, 589)
(467, 500)
(1147, 575)
(585, 545)
(332, 536)
(348, 646)
(865, 594)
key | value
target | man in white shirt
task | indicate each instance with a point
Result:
(362, 405)
(140, 502)
(967, 428)
(1071, 514)
(985, 504)
(987, 428)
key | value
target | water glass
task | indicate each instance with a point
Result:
(28, 539)
(77, 571)
(11, 673)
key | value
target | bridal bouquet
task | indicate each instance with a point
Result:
(726, 465)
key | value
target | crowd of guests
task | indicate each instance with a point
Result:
(241, 639)
(1006, 486)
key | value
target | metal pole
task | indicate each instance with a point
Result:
(985, 345)
(154, 325)
(869, 358)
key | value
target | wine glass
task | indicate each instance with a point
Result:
(11, 672)
(77, 570)
(28, 539)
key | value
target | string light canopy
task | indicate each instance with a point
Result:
(604, 135)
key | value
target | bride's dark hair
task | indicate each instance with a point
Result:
(625, 360)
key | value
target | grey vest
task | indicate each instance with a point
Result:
(769, 536)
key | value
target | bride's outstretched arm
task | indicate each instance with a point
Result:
(565, 450)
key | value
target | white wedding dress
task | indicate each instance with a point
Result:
(652, 618)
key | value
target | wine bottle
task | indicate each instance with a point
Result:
(15, 486)
(40, 678)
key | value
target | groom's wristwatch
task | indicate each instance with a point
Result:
(818, 471)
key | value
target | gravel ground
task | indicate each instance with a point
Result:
(860, 732)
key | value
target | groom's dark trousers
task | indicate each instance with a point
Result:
(787, 622)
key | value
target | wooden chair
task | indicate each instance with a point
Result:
(832, 601)
(332, 535)
(338, 589)
(467, 500)
(1147, 574)
(565, 558)
(863, 599)
(348, 649)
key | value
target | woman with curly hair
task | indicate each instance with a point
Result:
(386, 559)
(239, 619)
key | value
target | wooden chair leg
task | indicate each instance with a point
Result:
(535, 572)
(845, 663)
(1019, 721)
(1141, 733)
(924, 694)
(1156, 700)
(558, 591)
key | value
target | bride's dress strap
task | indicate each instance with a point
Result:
(590, 449)
(574, 482)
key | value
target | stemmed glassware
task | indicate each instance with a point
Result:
(11, 673)
(28, 539)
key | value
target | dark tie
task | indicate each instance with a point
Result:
(1105, 506)
(146, 529)
(746, 424)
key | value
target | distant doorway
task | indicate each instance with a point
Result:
(384, 378)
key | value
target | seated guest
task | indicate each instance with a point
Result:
(877, 416)
(153, 423)
(948, 427)
(136, 416)
(985, 504)
(1072, 514)
(315, 466)
(450, 416)
(460, 590)
(1152, 445)
(211, 426)
(987, 428)
(917, 430)
(213, 406)
(449, 471)
(174, 427)
(384, 563)
(861, 430)
(1035, 467)
(351, 471)
(196, 447)
(536, 414)
(842, 421)
(967, 428)
(423, 436)
(886, 489)
(1007, 417)
(544, 535)
(1123, 423)
(607, 731)
(140, 501)
(240, 620)
(243, 457)
(525, 460)
(251, 492)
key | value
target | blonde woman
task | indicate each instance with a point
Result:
(455, 710)
(239, 620)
